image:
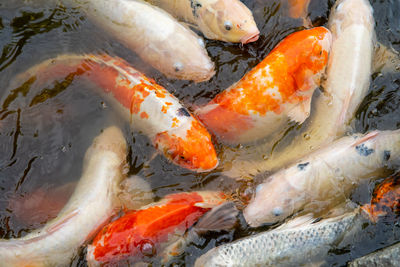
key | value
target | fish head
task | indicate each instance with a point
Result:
(229, 21)
(348, 12)
(274, 201)
(189, 147)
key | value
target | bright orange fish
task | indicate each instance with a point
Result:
(148, 106)
(143, 232)
(277, 89)
(385, 199)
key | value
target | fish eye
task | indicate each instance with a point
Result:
(178, 66)
(277, 211)
(147, 248)
(228, 25)
(201, 42)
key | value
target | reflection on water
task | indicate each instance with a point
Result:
(45, 131)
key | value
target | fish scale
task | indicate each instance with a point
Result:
(283, 246)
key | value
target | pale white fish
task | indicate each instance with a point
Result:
(299, 242)
(91, 205)
(348, 78)
(389, 256)
(154, 35)
(225, 20)
(324, 177)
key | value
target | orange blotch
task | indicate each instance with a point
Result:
(195, 151)
(144, 115)
(175, 122)
(385, 199)
(298, 52)
(122, 237)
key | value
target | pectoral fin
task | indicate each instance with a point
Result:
(386, 59)
(300, 112)
(222, 217)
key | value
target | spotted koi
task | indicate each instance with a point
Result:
(148, 106)
(142, 232)
(277, 89)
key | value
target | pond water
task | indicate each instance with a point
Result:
(44, 133)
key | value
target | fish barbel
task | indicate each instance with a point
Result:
(91, 205)
(276, 90)
(225, 20)
(324, 177)
(348, 77)
(154, 35)
(302, 241)
(142, 232)
(148, 106)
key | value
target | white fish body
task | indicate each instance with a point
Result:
(299, 242)
(324, 177)
(93, 202)
(348, 78)
(155, 36)
(225, 20)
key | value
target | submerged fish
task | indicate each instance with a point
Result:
(385, 198)
(276, 90)
(386, 257)
(148, 106)
(302, 240)
(324, 177)
(143, 232)
(348, 77)
(155, 36)
(225, 20)
(91, 205)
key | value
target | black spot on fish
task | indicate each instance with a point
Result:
(183, 112)
(301, 166)
(195, 6)
(363, 150)
(386, 155)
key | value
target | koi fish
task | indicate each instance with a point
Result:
(303, 240)
(385, 198)
(388, 256)
(149, 106)
(347, 82)
(324, 177)
(91, 205)
(298, 10)
(278, 88)
(142, 232)
(155, 36)
(225, 20)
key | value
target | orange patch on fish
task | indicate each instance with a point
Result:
(140, 232)
(385, 199)
(194, 151)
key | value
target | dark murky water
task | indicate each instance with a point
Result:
(44, 134)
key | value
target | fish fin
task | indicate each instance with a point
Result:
(365, 138)
(298, 222)
(301, 111)
(222, 217)
(60, 224)
(386, 59)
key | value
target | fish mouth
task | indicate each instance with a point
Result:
(252, 37)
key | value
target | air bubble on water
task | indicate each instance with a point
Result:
(63, 149)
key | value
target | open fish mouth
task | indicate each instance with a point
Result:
(252, 37)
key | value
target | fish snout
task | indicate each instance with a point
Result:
(251, 37)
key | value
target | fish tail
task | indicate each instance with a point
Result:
(222, 217)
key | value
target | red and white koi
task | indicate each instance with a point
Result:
(225, 20)
(91, 205)
(145, 231)
(278, 88)
(155, 36)
(324, 177)
(148, 106)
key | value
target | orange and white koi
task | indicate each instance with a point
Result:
(385, 199)
(143, 232)
(154, 35)
(149, 106)
(91, 205)
(324, 177)
(278, 88)
(225, 20)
